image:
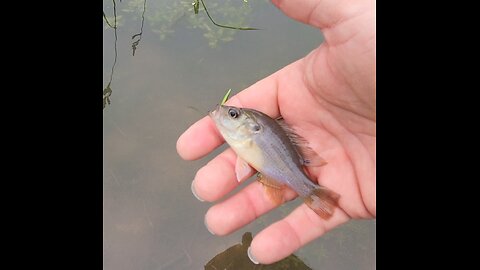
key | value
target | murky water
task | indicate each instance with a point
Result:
(182, 66)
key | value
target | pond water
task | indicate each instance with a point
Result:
(181, 68)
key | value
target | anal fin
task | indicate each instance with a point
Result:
(274, 190)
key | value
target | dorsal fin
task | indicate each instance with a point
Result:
(308, 157)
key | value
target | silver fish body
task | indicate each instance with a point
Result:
(266, 146)
(282, 161)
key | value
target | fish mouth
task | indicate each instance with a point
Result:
(214, 112)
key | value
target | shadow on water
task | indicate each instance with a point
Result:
(236, 258)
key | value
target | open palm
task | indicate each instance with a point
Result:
(328, 97)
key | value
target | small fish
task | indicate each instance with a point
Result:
(276, 152)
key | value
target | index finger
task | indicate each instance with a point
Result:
(203, 137)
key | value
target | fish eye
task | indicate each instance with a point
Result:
(233, 113)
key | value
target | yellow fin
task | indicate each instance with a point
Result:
(273, 189)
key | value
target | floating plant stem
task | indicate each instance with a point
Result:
(220, 25)
(225, 98)
(196, 5)
(106, 20)
(107, 92)
(139, 35)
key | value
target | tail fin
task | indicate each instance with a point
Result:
(323, 201)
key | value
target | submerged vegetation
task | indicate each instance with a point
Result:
(107, 91)
(218, 20)
(195, 7)
(139, 35)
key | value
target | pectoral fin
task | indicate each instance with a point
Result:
(242, 170)
(274, 190)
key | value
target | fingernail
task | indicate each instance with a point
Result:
(195, 193)
(206, 226)
(250, 256)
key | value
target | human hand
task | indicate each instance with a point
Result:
(328, 97)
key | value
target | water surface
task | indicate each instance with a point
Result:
(182, 66)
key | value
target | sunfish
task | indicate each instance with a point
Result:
(276, 152)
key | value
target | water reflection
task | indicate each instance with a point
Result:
(236, 258)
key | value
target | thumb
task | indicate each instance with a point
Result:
(322, 14)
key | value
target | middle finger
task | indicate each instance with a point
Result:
(241, 209)
(217, 178)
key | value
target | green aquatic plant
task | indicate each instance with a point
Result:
(107, 21)
(139, 35)
(107, 91)
(163, 15)
(134, 6)
(116, 19)
(225, 98)
(196, 5)
(221, 25)
(231, 15)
